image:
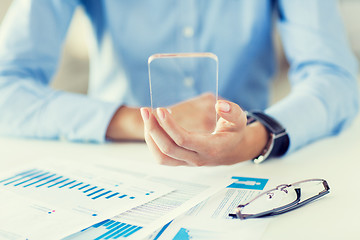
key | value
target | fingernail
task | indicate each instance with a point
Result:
(224, 106)
(161, 113)
(144, 114)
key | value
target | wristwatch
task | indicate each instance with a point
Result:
(278, 142)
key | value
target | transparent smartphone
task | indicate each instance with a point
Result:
(187, 85)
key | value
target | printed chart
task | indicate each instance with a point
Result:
(111, 229)
(75, 197)
(40, 179)
(149, 217)
(210, 219)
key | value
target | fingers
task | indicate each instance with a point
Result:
(164, 160)
(178, 134)
(231, 112)
(174, 146)
(161, 144)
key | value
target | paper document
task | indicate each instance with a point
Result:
(52, 202)
(210, 219)
(141, 221)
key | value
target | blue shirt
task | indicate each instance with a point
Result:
(323, 99)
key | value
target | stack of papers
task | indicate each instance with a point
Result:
(51, 202)
(73, 201)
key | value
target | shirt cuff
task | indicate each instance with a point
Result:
(303, 116)
(76, 117)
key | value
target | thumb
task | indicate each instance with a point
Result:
(231, 115)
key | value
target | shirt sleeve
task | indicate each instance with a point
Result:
(324, 96)
(31, 39)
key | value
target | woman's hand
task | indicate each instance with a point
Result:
(232, 142)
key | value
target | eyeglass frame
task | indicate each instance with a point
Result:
(283, 209)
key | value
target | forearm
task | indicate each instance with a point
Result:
(30, 109)
(126, 124)
(31, 40)
(323, 70)
(322, 105)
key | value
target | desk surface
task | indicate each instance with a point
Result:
(335, 159)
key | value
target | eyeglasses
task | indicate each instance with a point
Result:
(282, 199)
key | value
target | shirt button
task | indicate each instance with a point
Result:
(188, 32)
(188, 81)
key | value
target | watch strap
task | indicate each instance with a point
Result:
(279, 140)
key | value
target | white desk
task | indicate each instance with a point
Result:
(335, 159)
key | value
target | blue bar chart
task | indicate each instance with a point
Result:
(114, 230)
(73, 197)
(36, 178)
